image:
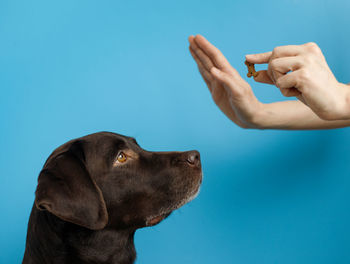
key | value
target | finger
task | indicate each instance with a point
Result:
(281, 51)
(278, 67)
(204, 72)
(203, 57)
(214, 53)
(290, 92)
(208, 79)
(286, 64)
(259, 58)
(287, 81)
(263, 77)
(287, 84)
(205, 76)
(287, 51)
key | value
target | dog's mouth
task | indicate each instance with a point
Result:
(165, 212)
(157, 219)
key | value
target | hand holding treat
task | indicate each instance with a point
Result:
(234, 96)
(302, 71)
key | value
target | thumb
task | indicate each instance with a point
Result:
(259, 58)
(263, 77)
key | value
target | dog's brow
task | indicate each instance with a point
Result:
(134, 140)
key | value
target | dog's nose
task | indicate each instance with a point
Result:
(193, 158)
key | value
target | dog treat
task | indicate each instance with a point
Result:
(251, 69)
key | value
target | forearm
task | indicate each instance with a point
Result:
(294, 115)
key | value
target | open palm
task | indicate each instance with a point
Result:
(230, 92)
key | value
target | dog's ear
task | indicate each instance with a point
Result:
(66, 189)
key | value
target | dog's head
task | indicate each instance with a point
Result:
(106, 179)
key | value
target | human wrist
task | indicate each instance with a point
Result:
(346, 106)
(286, 115)
(259, 117)
(341, 108)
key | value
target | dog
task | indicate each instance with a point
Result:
(94, 192)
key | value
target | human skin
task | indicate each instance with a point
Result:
(235, 97)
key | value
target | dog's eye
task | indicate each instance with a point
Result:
(121, 157)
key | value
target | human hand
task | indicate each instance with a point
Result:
(302, 71)
(230, 92)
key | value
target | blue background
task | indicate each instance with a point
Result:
(70, 68)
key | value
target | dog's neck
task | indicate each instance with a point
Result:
(62, 242)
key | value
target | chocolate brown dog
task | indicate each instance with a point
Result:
(94, 192)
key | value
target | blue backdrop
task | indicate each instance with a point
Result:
(70, 68)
